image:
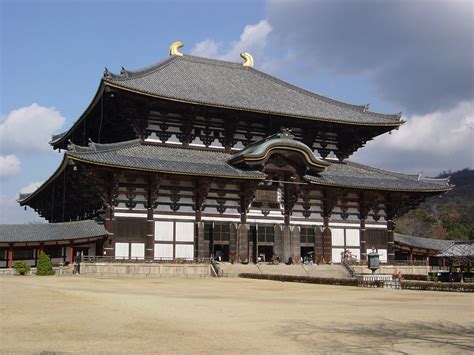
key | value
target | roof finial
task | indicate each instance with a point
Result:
(248, 59)
(174, 48)
(286, 133)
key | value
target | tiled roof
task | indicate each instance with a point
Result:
(230, 85)
(175, 159)
(284, 140)
(20, 233)
(459, 249)
(424, 243)
(349, 174)
(167, 159)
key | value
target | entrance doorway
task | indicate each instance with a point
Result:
(265, 252)
(307, 253)
(221, 252)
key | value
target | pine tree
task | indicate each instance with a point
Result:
(44, 266)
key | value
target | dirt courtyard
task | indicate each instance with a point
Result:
(85, 315)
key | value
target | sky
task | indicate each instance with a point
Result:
(414, 57)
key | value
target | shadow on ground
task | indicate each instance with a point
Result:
(385, 336)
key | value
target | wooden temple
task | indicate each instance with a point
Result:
(197, 158)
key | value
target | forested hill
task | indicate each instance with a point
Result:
(449, 216)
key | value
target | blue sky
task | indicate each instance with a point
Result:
(414, 57)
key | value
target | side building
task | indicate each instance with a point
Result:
(197, 158)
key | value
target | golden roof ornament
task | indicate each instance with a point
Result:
(248, 59)
(174, 48)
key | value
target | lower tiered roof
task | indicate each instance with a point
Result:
(164, 158)
(47, 232)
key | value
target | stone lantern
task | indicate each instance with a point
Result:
(373, 261)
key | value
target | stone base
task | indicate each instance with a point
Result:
(144, 270)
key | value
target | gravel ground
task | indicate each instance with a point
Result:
(84, 315)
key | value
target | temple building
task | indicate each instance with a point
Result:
(194, 158)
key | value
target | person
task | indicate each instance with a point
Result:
(399, 275)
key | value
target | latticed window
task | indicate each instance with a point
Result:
(23, 254)
(207, 231)
(307, 235)
(54, 251)
(266, 234)
(221, 232)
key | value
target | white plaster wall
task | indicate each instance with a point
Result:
(184, 232)
(164, 231)
(138, 250)
(184, 251)
(163, 251)
(121, 250)
(337, 236)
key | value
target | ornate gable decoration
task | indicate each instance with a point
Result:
(278, 151)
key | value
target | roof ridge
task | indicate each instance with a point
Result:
(234, 65)
(101, 147)
(141, 72)
(402, 175)
(180, 146)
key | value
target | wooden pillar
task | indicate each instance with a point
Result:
(410, 257)
(243, 242)
(390, 243)
(327, 241)
(10, 256)
(150, 235)
(233, 245)
(278, 242)
(71, 252)
(295, 244)
(363, 241)
(109, 224)
(202, 252)
(286, 243)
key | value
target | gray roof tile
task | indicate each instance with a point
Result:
(167, 159)
(20, 233)
(231, 85)
(424, 243)
(459, 249)
(160, 158)
(349, 174)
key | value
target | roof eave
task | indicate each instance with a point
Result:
(95, 100)
(393, 124)
(379, 188)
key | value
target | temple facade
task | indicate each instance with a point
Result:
(194, 158)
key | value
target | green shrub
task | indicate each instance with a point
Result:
(21, 267)
(304, 279)
(437, 286)
(44, 266)
(415, 277)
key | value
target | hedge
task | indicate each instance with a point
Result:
(415, 277)
(437, 286)
(408, 285)
(304, 279)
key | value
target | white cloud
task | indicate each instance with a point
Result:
(207, 48)
(9, 165)
(437, 141)
(416, 55)
(29, 128)
(440, 132)
(253, 39)
(30, 187)
(12, 213)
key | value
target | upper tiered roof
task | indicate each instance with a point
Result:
(218, 83)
